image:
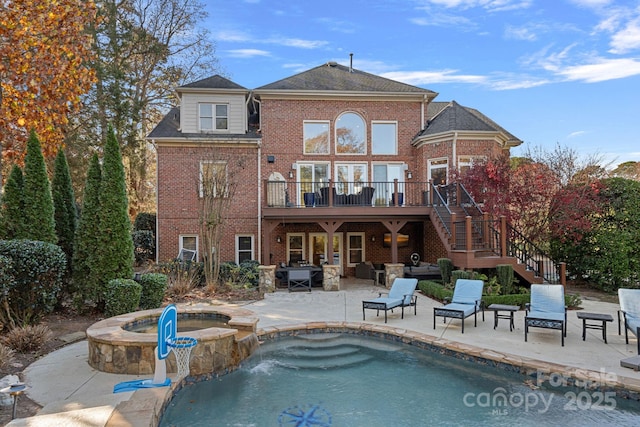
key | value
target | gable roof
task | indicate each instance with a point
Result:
(333, 77)
(445, 117)
(214, 82)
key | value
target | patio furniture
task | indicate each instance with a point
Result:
(299, 279)
(598, 317)
(400, 295)
(497, 308)
(546, 309)
(466, 300)
(630, 307)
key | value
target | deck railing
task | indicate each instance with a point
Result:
(299, 194)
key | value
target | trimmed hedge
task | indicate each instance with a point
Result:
(438, 292)
(121, 296)
(154, 286)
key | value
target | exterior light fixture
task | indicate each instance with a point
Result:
(279, 239)
(409, 175)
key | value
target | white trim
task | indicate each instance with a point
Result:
(304, 139)
(362, 235)
(180, 247)
(385, 122)
(237, 246)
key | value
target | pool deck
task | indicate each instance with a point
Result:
(74, 394)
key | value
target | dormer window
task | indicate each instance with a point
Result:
(213, 117)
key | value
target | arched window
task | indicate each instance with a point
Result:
(350, 134)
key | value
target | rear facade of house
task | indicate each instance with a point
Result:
(332, 165)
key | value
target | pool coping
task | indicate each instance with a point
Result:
(145, 407)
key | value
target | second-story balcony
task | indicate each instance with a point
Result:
(348, 198)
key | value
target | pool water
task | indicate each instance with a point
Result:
(350, 380)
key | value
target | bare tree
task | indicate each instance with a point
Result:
(217, 187)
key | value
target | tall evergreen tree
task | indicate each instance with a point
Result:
(115, 242)
(38, 203)
(86, 240)
(65, 213)
(13, 226)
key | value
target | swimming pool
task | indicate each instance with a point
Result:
(328, 379)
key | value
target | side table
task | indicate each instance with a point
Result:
(598, 317)
(497, 308)
(379, 274)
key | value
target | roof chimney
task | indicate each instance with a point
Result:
(351, 62)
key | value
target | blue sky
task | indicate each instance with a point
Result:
(548, 71)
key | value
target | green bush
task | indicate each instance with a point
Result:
(446, 267)
(154, 286)
(121, 296)
(460, 274)
(145, 221)
(434, 290)
(38, 269)
(506, 278)
(144, 246)
(245, 275)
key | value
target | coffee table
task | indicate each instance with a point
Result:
(597, 317)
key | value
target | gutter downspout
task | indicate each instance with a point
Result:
(454, 149)
(259, 257)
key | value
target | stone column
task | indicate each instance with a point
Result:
(391, 271)
(267, 278)
(331, 277)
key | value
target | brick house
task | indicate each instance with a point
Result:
(332, 165)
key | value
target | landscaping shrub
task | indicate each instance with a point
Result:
(460, 274)
(245, 275)
(182, 276)
(121, 296)
(506, 278)
(144, 246)
(6, 357)
(145, 221)
(434, 290)
(37, 269)
(154, 286)
(28, 338)
(446, 267)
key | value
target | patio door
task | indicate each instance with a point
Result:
(318, 253)
(383, 176)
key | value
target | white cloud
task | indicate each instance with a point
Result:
(431, 77)
(490, 5)
(300, 43)
(627, 39)
(520, 33)
(231, 36)
(602, 70)
(576, 133)
(443, 20)
(247, 53)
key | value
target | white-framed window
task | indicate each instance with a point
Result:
(244, 248)
(213, 178)
(316, 136)
(188, 247)
(213, 117)
(355, 249)
(351, 134)
(384, 137)
(295, 247)
(465, 162)
(438, 171)
(350, 177)
(384, 175)
(313, 176)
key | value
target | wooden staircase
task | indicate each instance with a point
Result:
(474, 241)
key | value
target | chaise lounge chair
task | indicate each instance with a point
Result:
(400, 295)
(630, 308)
(466, 300)
(546, 309)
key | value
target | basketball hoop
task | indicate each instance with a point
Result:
(182, 346)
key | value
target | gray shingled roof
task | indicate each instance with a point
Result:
(451, 116)
(169, 127)
(214, 82)
(336, 77)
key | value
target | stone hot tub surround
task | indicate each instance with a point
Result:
(114, 350)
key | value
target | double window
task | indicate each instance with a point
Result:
(213, 117)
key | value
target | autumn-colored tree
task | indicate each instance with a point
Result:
(628, 170)
(44, 49)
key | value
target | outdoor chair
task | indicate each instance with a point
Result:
(400, 295)
(630, 308)
(546, 309)
(299, 279)
(466, 300)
